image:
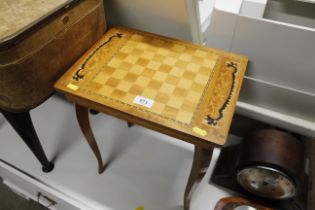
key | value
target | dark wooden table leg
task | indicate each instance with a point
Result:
(23, 125)
(84, 122)
(200, 165)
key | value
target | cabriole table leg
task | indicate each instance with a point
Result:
(200, 165)
(84, 122)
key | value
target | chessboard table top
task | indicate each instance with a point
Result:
(181, 89)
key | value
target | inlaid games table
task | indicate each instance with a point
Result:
(177, 88)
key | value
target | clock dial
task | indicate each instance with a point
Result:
(266, 182)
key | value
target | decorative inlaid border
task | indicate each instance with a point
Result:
(210, 119)
(77, 76)
(214, 117)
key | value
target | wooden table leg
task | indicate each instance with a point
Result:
(200, 165)
(23, 125)
(84, 122)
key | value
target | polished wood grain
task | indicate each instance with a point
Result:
(84, 122)
(201, 162)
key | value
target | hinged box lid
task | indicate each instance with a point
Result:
(20, 16)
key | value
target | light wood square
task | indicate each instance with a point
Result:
(149, 93)
(136, 38)
(147, 55)
(136, 69)
(126, 49)
(142, 81)
(185, 57)
(158, 107)
(184, 116)
(154, 65)
(171, 79)
(181, 64)
(100, 78)
(170, 112)
(115, 62)
(193, 67)
(178, 72)
(131, 58)
(201, 53)
(167, 88)
(209, 63)
(201, 78)
(125, 66)
(162, 51)
(124, 86)
(193, 96)
(184, 83)
(170, 61)
(160, 76)
(188, 106)
(106, 91)
(119, 74)
(197, 87)
(142, 46)
(175, 102)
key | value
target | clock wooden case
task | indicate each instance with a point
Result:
(268, 165)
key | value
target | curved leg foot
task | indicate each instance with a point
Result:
(94, 112)
(48, 168)
(84, 122)
(130, 124)
(201, 162)
(23, 125)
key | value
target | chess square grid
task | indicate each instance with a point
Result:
(175, 76)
